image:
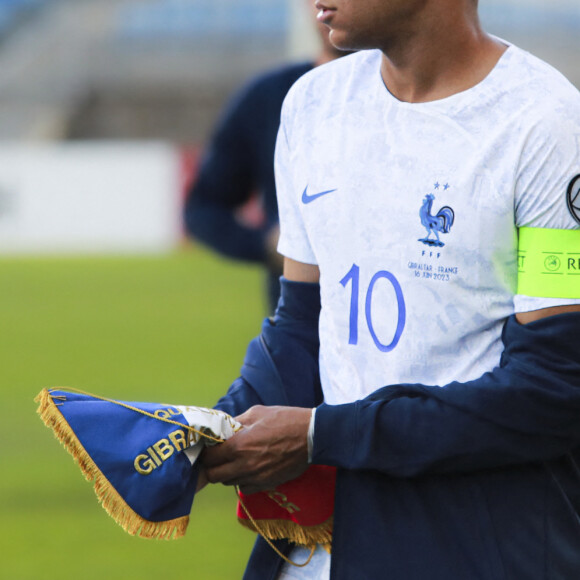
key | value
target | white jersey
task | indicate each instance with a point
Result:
(411, 213)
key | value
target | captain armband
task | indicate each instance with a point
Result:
(549, 263)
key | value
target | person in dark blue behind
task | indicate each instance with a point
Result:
(238, 163)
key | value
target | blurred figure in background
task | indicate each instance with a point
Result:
(239, 164)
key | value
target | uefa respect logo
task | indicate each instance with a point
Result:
(552, 263)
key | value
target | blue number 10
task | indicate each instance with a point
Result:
(354, 277)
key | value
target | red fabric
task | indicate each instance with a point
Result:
(307, 500)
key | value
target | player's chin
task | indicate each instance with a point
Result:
(343, 41)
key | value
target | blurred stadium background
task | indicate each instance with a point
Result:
(104, 106)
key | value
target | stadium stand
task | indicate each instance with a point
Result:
(127, 69)
(533, 17)
(107, 69)
(13, 13)
(200, 19)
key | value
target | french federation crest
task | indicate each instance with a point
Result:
(440, 223)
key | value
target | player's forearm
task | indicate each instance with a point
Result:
(526, 410)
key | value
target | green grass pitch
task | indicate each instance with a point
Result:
(169, 329)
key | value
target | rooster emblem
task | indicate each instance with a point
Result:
(435, 224)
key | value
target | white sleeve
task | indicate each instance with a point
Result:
(550, 162)
(294, 242)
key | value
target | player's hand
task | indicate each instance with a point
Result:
(271, 449)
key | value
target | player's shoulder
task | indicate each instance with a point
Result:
(335, 78)
(539, 85)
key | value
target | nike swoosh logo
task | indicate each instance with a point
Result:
(310, 198)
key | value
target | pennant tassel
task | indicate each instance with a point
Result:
(107, 495)
(308, 536)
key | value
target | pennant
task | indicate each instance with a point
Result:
(141, 456)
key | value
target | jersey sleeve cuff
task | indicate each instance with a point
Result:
(529, 303)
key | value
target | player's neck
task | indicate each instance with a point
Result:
(328, 53)
(326, 56)
(434, 66)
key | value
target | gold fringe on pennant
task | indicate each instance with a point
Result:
(107, 495)
(308, 536)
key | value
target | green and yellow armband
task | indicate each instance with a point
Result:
(549, 263)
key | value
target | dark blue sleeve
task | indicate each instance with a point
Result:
(238, 163)
(281, 365)
(227, 179)
(525, 410)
